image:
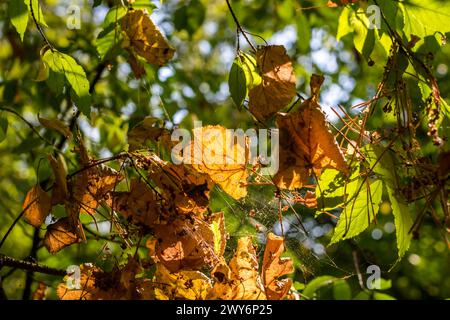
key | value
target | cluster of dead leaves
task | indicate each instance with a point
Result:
(240, 279)
(82, 194)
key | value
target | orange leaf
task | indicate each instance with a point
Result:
(186, 243)
(60, 235)
(37, 206)
(306, 144)
(274, 266)
(278, 82)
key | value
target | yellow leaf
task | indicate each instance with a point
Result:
(278, 82)
(145, 39)
(215, 151)
(188, 285)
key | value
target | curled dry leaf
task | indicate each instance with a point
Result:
(37, 206)
(60, 191)
(240, 280)
(306, 144)
(274, 266)
(216, 152)
(57, 125)
(181, 186)
(278, 82)
(187, 285)
(60, 235)
(186, 244)
(139, 205)
(145, 39)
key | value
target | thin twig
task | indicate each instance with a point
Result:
(38, 26)
(238, 25)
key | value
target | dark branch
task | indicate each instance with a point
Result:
(31, 266)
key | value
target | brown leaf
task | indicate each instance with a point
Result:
(86, 289)
(215, 152)
(239, 281)
(306, 144)
(186, 244)
(40, 292)
(145, 39)
(57, 125)
(274, 266)
(278, 82)
(91, 186)
(60, 191)
(182, 187)
(148, 130)
(139, 205)
(60, 235)
(37, 206)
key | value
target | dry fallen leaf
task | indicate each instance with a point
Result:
(306, 144)
(274, 266)
(60, 235)
(215, 151)
(278, 82)
(145, 39)
(37, 206)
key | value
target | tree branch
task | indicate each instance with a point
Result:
(31, 266)
(238, 25)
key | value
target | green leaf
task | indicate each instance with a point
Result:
(74, 74)
(237, 83)
(314, 285)
(143, 4)
(114, 15)
(3, 126)
(363, 38)
(190, 17)
(344, 26)
(359, 212)
(385, 167)
(331, 188)
(37, 10)
(382, 296)
(341, 290)
(107, 39)
(424, 18)
(303, 33)
(18, 13)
